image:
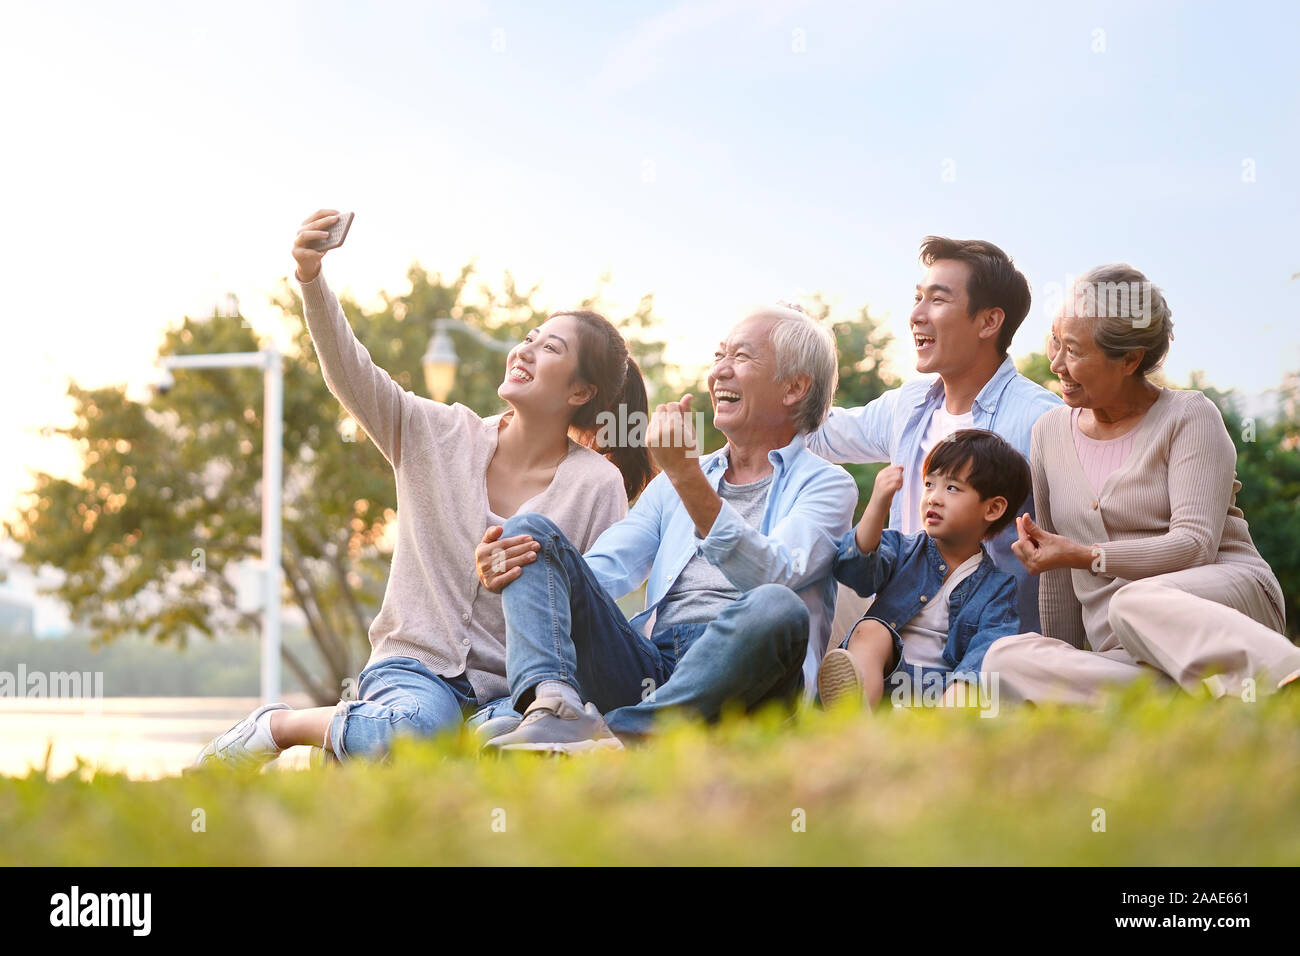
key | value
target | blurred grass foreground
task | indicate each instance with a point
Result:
(1145, 780)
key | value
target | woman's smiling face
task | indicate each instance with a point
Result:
(541, 371)
(1089, 377)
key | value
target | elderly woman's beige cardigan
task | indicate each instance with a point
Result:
(1170, 506)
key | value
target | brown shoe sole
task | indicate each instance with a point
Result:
(838, 679)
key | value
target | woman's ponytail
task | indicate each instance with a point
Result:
(603, 361)
(633, 460)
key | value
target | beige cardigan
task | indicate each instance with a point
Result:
(1170, 506)
(434, 608)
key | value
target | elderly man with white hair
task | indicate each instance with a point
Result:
(735, 549)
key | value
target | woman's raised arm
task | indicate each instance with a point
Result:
(367, 392)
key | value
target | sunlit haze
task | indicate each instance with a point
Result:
(715, 154)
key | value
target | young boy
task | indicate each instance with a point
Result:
(940, 600)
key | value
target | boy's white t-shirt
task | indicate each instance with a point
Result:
(926, 634)
(940, 427)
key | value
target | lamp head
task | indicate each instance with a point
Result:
(440, 361)
(163, 382)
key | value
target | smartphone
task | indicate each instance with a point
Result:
(338, 232)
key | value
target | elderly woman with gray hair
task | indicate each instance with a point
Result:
(1147, 563)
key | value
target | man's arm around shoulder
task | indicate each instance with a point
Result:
(858, 435)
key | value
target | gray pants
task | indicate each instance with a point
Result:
(1212, 627)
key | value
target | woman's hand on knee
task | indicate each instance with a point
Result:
(500, 560)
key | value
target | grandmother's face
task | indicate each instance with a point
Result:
(1089, 377)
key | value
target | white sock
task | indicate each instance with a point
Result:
(558, 688)
(262, 738)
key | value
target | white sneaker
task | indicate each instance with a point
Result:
(247, 744)
(495, 727)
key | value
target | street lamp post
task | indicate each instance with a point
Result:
(269, 360)
(440, 360)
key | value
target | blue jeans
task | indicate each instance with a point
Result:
(562, 625)
(399, 696)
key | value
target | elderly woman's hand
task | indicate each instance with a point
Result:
(1040, 550)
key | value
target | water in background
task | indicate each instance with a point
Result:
(143, 737)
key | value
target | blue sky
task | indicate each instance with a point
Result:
(715, 153)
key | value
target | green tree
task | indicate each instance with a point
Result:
(1268, 467)
(1036, 367)
(169, 497)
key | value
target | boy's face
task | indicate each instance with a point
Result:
(952, 510)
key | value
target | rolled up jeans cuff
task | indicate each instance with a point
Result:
(338, 725)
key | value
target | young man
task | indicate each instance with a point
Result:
(969, 304)
(940, 602)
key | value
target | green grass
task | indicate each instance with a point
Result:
(1180, 781)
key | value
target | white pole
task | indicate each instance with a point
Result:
(269, 361)
(272, 498)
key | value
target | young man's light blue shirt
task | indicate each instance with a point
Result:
(809, 508)
(891, 429)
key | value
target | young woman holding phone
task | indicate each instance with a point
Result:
(438, 641)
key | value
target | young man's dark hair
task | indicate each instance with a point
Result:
(994, 282)
(996, 470)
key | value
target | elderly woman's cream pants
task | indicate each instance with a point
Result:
(1209, 628)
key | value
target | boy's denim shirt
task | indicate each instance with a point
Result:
(907, 570)
(891, 428)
